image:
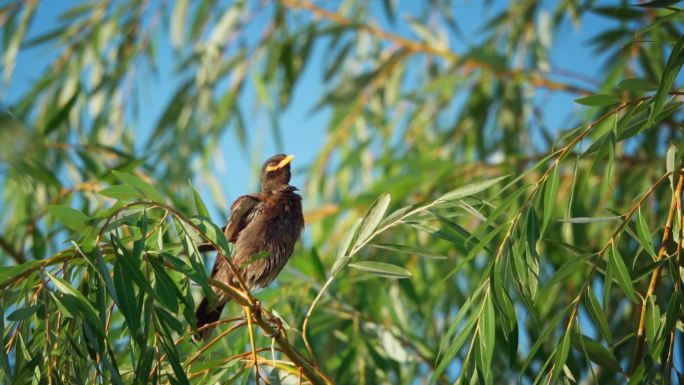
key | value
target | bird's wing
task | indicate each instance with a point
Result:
(242, 212)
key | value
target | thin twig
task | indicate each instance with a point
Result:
(250, 328)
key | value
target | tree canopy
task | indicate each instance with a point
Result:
(452, 236)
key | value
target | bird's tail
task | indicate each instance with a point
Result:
(204, 315)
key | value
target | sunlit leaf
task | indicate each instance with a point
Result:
(84, 306)
(382, 269)
(561, 355)
(72, 218)
(596, 352)
(408, 250)
(672, 68)
(143, 187)
(598, 100)
(122, 192)
(598, 315)
(550, 196)
(637, 85)
(621, 273)
(372, 218)
(343, 256)
(470, 189)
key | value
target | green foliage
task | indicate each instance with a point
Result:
(451, 236)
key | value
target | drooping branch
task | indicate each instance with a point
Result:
(655, 276)
(419, 47)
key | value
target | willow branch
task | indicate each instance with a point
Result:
(420, 47)
(599, 256)
(655, 276)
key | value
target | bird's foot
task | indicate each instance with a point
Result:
(256, 309)
(277, 323)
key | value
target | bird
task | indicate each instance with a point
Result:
(264, 228)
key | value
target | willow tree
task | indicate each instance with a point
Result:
(451, 235)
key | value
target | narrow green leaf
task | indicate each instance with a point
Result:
(454, 348)
(667, 79)
(72, 218)
(4, 359)
(670, 163)
(658, 3)
(261, 89)
(372, 218)
(652, 321)
(550, 195)
(598, 100)
(573, 265)
(178, 24)
(607, 287)
(171, 353)
(85, 307)
(550, 326)
(583, 220)
(62, 113)
(66, 304)
(560, 357)
(7, 273)
(487, 327)
(382, 269)
(531, 255)
(456, 322)
(165, 289)
(482, 244)
(200, 207)
(122, 192)
(343, 256)
(470, 189)
(408, 250)
(596, 352)
(213, 233)
(598, 315)
(130, 265)
(125, 293)
(621, 273)
(644, 234)
(14, 39)
(24, 312)
(504, 305)
(169, 320)
(143, 187)
(73, 13)
(672, 312)
(395, 216)
(637, 85)
(502, 208)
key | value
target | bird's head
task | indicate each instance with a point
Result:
(276, 172)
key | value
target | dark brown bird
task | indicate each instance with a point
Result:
(264, 228)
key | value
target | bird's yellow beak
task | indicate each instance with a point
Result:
(280, 164)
